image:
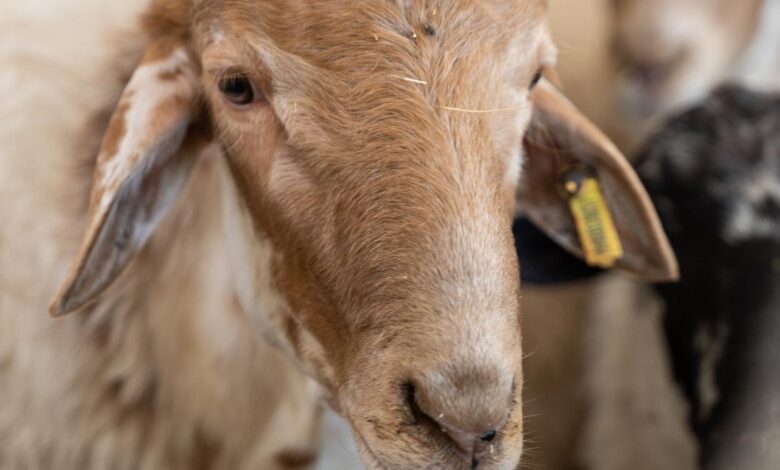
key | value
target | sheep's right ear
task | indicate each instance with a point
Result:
(141, 170)
(580, 190)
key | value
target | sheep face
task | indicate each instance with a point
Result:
(388, 212)
(673, 52)
(375, 152)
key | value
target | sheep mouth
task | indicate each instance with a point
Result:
(368, 453)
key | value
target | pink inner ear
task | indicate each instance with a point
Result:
(138, 173)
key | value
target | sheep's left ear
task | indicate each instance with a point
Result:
(146, 156)
(580, 190)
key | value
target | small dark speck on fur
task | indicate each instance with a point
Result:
(293, 459)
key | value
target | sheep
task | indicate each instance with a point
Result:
(671, 53)
(175, 383)
(713, 173)
(629, 63)
(290, 203)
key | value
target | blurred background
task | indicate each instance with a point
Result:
(637, 377)
(621, 375)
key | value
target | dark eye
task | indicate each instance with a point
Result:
(238, 90)
(536, 79)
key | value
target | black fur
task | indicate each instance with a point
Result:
(705, 167)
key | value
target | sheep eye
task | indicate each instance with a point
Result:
(238, 90)
(537, 78)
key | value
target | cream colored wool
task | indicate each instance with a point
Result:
(163, 374)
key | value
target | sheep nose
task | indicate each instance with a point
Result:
(470, 414)
(473, 446)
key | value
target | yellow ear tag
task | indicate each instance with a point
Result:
(598, 235)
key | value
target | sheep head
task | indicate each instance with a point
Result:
(378, 151)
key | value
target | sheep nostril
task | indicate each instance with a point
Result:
(471, 444)
(410, 393)
(419, 416)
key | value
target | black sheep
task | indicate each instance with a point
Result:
(714, 175)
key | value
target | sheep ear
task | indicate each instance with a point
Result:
(141, 169)
(580, 190)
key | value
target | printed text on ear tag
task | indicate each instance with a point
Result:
(598, 235)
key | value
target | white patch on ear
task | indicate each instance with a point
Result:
(141, 108)
(139, 173)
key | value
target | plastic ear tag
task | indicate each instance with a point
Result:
(596, 228)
